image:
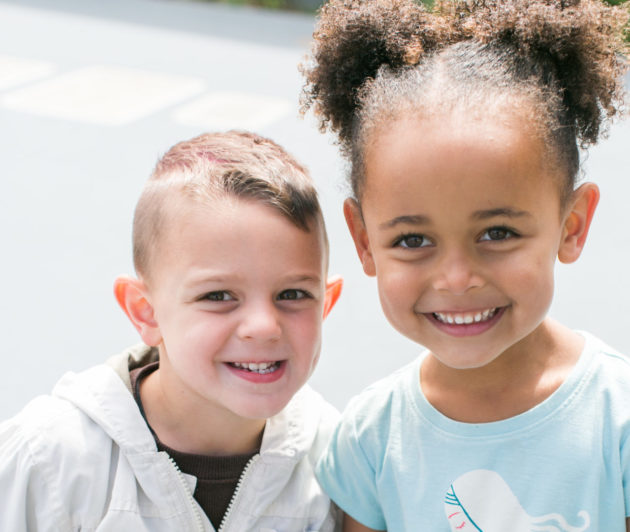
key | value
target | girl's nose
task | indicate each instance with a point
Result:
(260, 323)
(457, 273)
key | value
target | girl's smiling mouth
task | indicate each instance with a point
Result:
(465, 318)
(468, 323)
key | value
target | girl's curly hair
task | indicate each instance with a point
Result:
(373, 60)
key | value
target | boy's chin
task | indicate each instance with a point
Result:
(261, 408)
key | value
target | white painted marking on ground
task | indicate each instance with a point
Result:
(103, 95)
(18, 70)
(232, 110)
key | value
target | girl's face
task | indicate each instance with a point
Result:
(461, 222)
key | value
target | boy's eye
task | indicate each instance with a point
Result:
(497, 233)
(293, 294)
(412, 241)
(220, 295)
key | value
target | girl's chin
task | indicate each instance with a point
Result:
(465, 359)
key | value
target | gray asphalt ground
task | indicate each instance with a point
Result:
(92, 93)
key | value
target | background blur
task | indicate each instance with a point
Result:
(92, 93)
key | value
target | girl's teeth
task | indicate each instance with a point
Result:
(465, 319)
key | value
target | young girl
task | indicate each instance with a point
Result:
(462, 126)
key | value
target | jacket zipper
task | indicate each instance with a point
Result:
(239, 485)
(189, 494)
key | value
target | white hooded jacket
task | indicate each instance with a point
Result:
(83, 459)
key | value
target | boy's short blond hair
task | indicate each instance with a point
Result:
(211, 166)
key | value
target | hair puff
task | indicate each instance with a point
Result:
(352, 40)
(577, 43)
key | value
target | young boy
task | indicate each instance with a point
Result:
(207, 425)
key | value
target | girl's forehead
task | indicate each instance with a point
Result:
(416, 159)
(420, 141)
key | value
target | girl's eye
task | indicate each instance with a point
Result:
(497, 234)
(220, 295)
(293, 294)
(412, 241)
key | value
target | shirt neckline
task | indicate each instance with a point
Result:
(525, 421)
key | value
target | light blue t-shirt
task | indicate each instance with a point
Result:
(396, 463)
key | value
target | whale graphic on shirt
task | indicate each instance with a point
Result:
(482, 501)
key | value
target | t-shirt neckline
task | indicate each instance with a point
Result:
(541, 412)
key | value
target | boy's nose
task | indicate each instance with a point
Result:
(457, 273)
(260, 323)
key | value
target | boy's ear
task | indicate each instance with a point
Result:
(333, 291)
(354, 219)
(578, 222)
(131, 295)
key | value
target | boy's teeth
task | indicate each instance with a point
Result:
(465, 318)
(262, 367)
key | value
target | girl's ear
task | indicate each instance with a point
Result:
(577, 222)
(333, 291)
(354, 219)
(131, 295)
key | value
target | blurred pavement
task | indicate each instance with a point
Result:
(92, 93)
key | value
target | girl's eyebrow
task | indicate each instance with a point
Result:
(421, 219)
(412, 219)
(508, 212)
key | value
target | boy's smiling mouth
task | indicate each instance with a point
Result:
(465, 318)
(258, 372)
(261, 368)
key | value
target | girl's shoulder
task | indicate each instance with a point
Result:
(604, 354)
(604, 387)
(375, 403)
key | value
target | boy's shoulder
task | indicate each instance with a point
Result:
(55, 454)
(63, 414)
(84, 412)
(44, 423)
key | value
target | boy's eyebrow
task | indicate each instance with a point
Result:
(508, 212)
(413, 219)
(303, 278)
(227, 278)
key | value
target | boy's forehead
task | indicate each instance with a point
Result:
(190, 222)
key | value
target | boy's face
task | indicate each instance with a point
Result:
(238, 293)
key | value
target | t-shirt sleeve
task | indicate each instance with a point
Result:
(346, 474)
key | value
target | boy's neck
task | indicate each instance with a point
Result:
(187, 426)
(512, 384)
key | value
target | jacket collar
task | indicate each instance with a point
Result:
(104, 394)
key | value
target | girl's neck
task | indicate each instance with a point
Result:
(516, 381)
(190, 426)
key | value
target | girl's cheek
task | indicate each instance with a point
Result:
(394, 281)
